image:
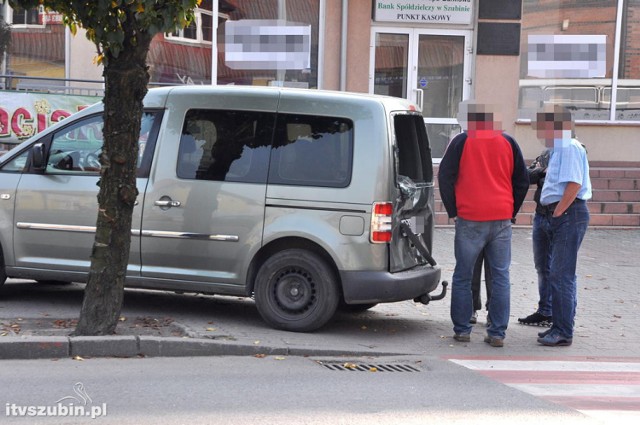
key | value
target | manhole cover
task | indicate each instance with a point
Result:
(368, 367)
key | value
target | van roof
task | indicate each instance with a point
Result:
(391, 103)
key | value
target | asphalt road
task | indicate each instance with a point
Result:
(269, 390)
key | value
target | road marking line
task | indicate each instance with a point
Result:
(584, 385)
(552, 365)
(562, 377)
(626, 404)
(578, 390)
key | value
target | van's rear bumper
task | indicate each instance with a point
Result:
(382, 287)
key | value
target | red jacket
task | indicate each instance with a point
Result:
(483, 177)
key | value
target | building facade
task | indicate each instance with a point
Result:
(516, 54)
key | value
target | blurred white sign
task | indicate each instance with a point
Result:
(567, 56)
(267, 44)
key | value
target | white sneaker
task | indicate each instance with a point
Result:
(474, 318)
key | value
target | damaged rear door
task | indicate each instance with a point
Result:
(413, 220)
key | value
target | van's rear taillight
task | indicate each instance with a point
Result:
(381, 222)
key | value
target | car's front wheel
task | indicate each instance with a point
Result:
(296, 290)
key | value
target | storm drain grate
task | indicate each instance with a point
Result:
(368, 367)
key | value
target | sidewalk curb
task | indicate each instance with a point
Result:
(54, 347)
(34, 347)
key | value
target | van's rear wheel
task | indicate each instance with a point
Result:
(296, 290)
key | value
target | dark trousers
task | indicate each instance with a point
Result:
(476, 281)
(565, 233)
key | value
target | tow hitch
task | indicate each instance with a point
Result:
(427, 298)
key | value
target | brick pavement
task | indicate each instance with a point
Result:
(608, 293)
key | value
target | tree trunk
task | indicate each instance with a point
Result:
(126, 80)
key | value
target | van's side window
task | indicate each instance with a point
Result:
(77, 148)
(312, 151)
(225, 145)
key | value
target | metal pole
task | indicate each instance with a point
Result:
(343, 45)
(282, 15)
(214, 42)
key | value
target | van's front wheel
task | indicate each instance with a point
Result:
(296, 290)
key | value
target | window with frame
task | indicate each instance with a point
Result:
(571, 56)
(76, 148)
(200, 29)
(26, 17)
(230, 146)
(312, 151)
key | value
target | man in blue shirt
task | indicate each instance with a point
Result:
(566, 188)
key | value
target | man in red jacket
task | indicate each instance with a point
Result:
(483, 181)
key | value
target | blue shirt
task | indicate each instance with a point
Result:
(568, 163)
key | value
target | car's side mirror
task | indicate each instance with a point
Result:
(38, 157)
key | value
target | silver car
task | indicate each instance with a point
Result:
(307, 200)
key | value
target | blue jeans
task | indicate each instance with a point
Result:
(470, 239)
(541, 261)
(565, 234)
(476, 282)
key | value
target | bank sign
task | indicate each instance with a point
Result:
(424, 11)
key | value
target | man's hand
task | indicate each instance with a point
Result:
(569, 195)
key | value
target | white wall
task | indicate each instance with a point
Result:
(82, 54)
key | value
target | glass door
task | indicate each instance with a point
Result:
(428, 67)
(390, 62)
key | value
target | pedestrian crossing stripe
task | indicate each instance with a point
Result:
(589, 385)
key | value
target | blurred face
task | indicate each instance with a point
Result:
(481, 121)
(551, 126)
(480, 117)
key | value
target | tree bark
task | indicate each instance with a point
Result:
(126, 80)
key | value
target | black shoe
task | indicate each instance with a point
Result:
(536, 319)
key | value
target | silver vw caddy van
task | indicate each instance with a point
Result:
(306, 200)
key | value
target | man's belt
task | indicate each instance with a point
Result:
(549, 209)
